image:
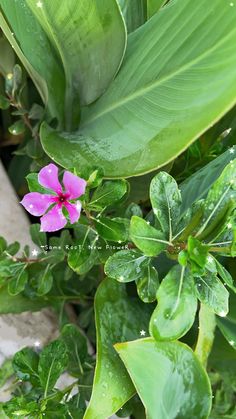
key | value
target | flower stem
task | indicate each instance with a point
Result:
(206, 334)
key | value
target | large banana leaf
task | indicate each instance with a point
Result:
(153, 6)
(36, 53)
(177, 79)
(90, 37)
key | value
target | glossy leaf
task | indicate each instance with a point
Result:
(212, 292)
(197, 253)
(166, 201)
(118, 318)
(197, 185)
(126, 265)
(82, 255)
(115, 229)
(158, 105)
(177, 305)
(44, 281)
(146, 237)
(18, 282)
(84, 45)
(38, 237)
(108, 193)
(225, 275)
(167, 368)
(19, 303)
(134, 12)
(148, 284)
(25, 364)
(76, 347)
(52, 363)
(36, 54)
(227, 327)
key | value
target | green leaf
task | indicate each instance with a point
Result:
(18, 282)
(157, 105)
(38, 237)
(82, 255)
(20, 407)
(109, 193)
(76, 347)
(134, 12)
(25, 364)
(36, 54)
(197, 253)
(3, 244)
(150, 241)
(148, 284)
(166, 201)
(115, 229)
(212, 292)
(153, 6)
(220, 201)
(34, 186)
(227, 327)
(52, 362)
(18, 303)
(177, 305)
(225, 275)
(197, 186)
(118, 318)
(44, 281)
(167, 368)
(4, 103)
(126, 265)
(82, 37)
(13, 248)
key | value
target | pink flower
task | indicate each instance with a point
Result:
(37, 204)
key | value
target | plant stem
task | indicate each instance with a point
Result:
(206, 334)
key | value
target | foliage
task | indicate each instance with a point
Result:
(118, 89)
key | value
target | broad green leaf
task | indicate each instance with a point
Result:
(158, 105)
(166, 201)
(76, 347)
(225, 275)
(148, 284)
(118, 318)
(17, 128)
(18, 282)
(25, 364)
(4, 102)
(197, 186)
(82, 255)
(19, 303)
(13, 248)
(197, 253)
(108, 193)
(146, 237)
(126, 265)
(36, 54)
(44, 281)
(153, 6)
(115, 229)
(53, 361)
(7, 57)
(177, 305)
(212, 292)
(134, 12)
(220, 201)
(83, 37)
(167, 368)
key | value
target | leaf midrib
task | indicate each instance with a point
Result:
(142, 91)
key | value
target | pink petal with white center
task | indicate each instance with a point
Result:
(36, 203)
(48, 177)
(54, 220)
(74, 185)
(73, 210)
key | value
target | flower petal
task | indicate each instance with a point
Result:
(74, 185)
(54, 219)
(48, 177)
(36, 203)
(73, 210)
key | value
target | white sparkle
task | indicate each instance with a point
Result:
(49, 170)
(39, 4)
(13, 131)
(119, 241)
(31, 206)
(222, 314)
(210, 258)
(229, 225)
(34, 252)
(231, 150)
(231, 4)
(96, 238)
(148, 222)
(142, 332)
(121, 278)
(155, 211)
(231, 342)
(9, 76)
(37, 344)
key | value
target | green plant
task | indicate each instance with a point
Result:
(144, 277)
